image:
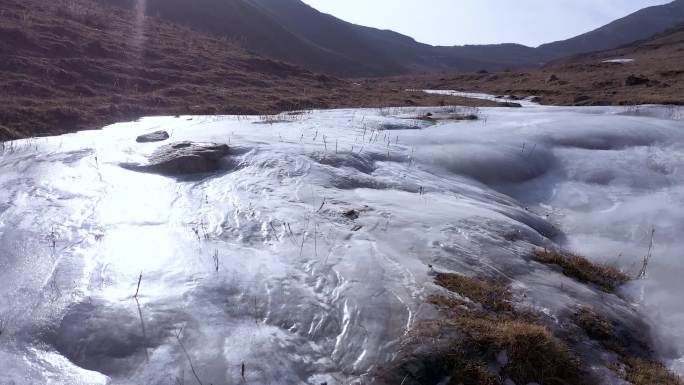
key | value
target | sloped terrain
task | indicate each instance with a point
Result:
(637, 26)
(390, 52)
(75, 64)
(292, 31)
(644, 72)
(261, 31)
(347, 246)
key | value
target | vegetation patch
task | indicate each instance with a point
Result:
(491, 296)
(485, 341)
(639, 371)
(634, 367)
(65, 67)
(532, 353)
(607, 278)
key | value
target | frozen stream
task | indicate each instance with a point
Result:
(256, 268)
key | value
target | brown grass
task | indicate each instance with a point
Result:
(534, 354)
(635, 369)
(474, 334)
(461, 117)
(582, 80)
(597, 328)
(77, 64)
(491, 296)
(481, 323)
(641, 371)
(605, 277)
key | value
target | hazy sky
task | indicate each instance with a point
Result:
(451, 22)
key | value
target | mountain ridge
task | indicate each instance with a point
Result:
(77, 64)
(323, 43)
(621, 31)
(648, 71)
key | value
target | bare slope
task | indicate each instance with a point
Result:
(651, 72)
(68, 65)
(292, 31)
(636, 26)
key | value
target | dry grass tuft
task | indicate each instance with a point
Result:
(484, 340)
(636, 370)
(473, 373)
(491, 296)
(607, 278)
(68, 65)
(640, 371)
(597, 328)
(462, 117)
(534, 354)
(471, 342)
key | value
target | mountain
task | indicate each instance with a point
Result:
(80, 64)
(247, 23)
(388, 52)
(644, 72)
(637, 26)
(292, 31)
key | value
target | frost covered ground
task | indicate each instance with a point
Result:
(257, 269)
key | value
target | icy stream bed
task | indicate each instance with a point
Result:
(257, 269)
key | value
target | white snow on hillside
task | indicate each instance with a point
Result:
(618, 61)
(303, 293)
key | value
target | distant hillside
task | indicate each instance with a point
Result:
(647, 71)
(73, 64)
(254, 27)
(294, 32)
(386, 51)
(637, 26)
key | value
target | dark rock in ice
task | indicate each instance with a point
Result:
(508, 104)
(184, 158)
(635, 80)
(582, 99)
(157, 136)
(351, 213)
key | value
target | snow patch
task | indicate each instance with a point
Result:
(618, 61)
(257, 264)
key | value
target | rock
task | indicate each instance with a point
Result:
(581, 99)
(502, 358)
(508, 104)
(184, 158)
(552, 78)
(156, 136)
(633, 80)
(397, 126)
(535, 99)
(351, 213)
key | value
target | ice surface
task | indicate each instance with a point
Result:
(256, 265)
(619, 61)
(527, 102)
